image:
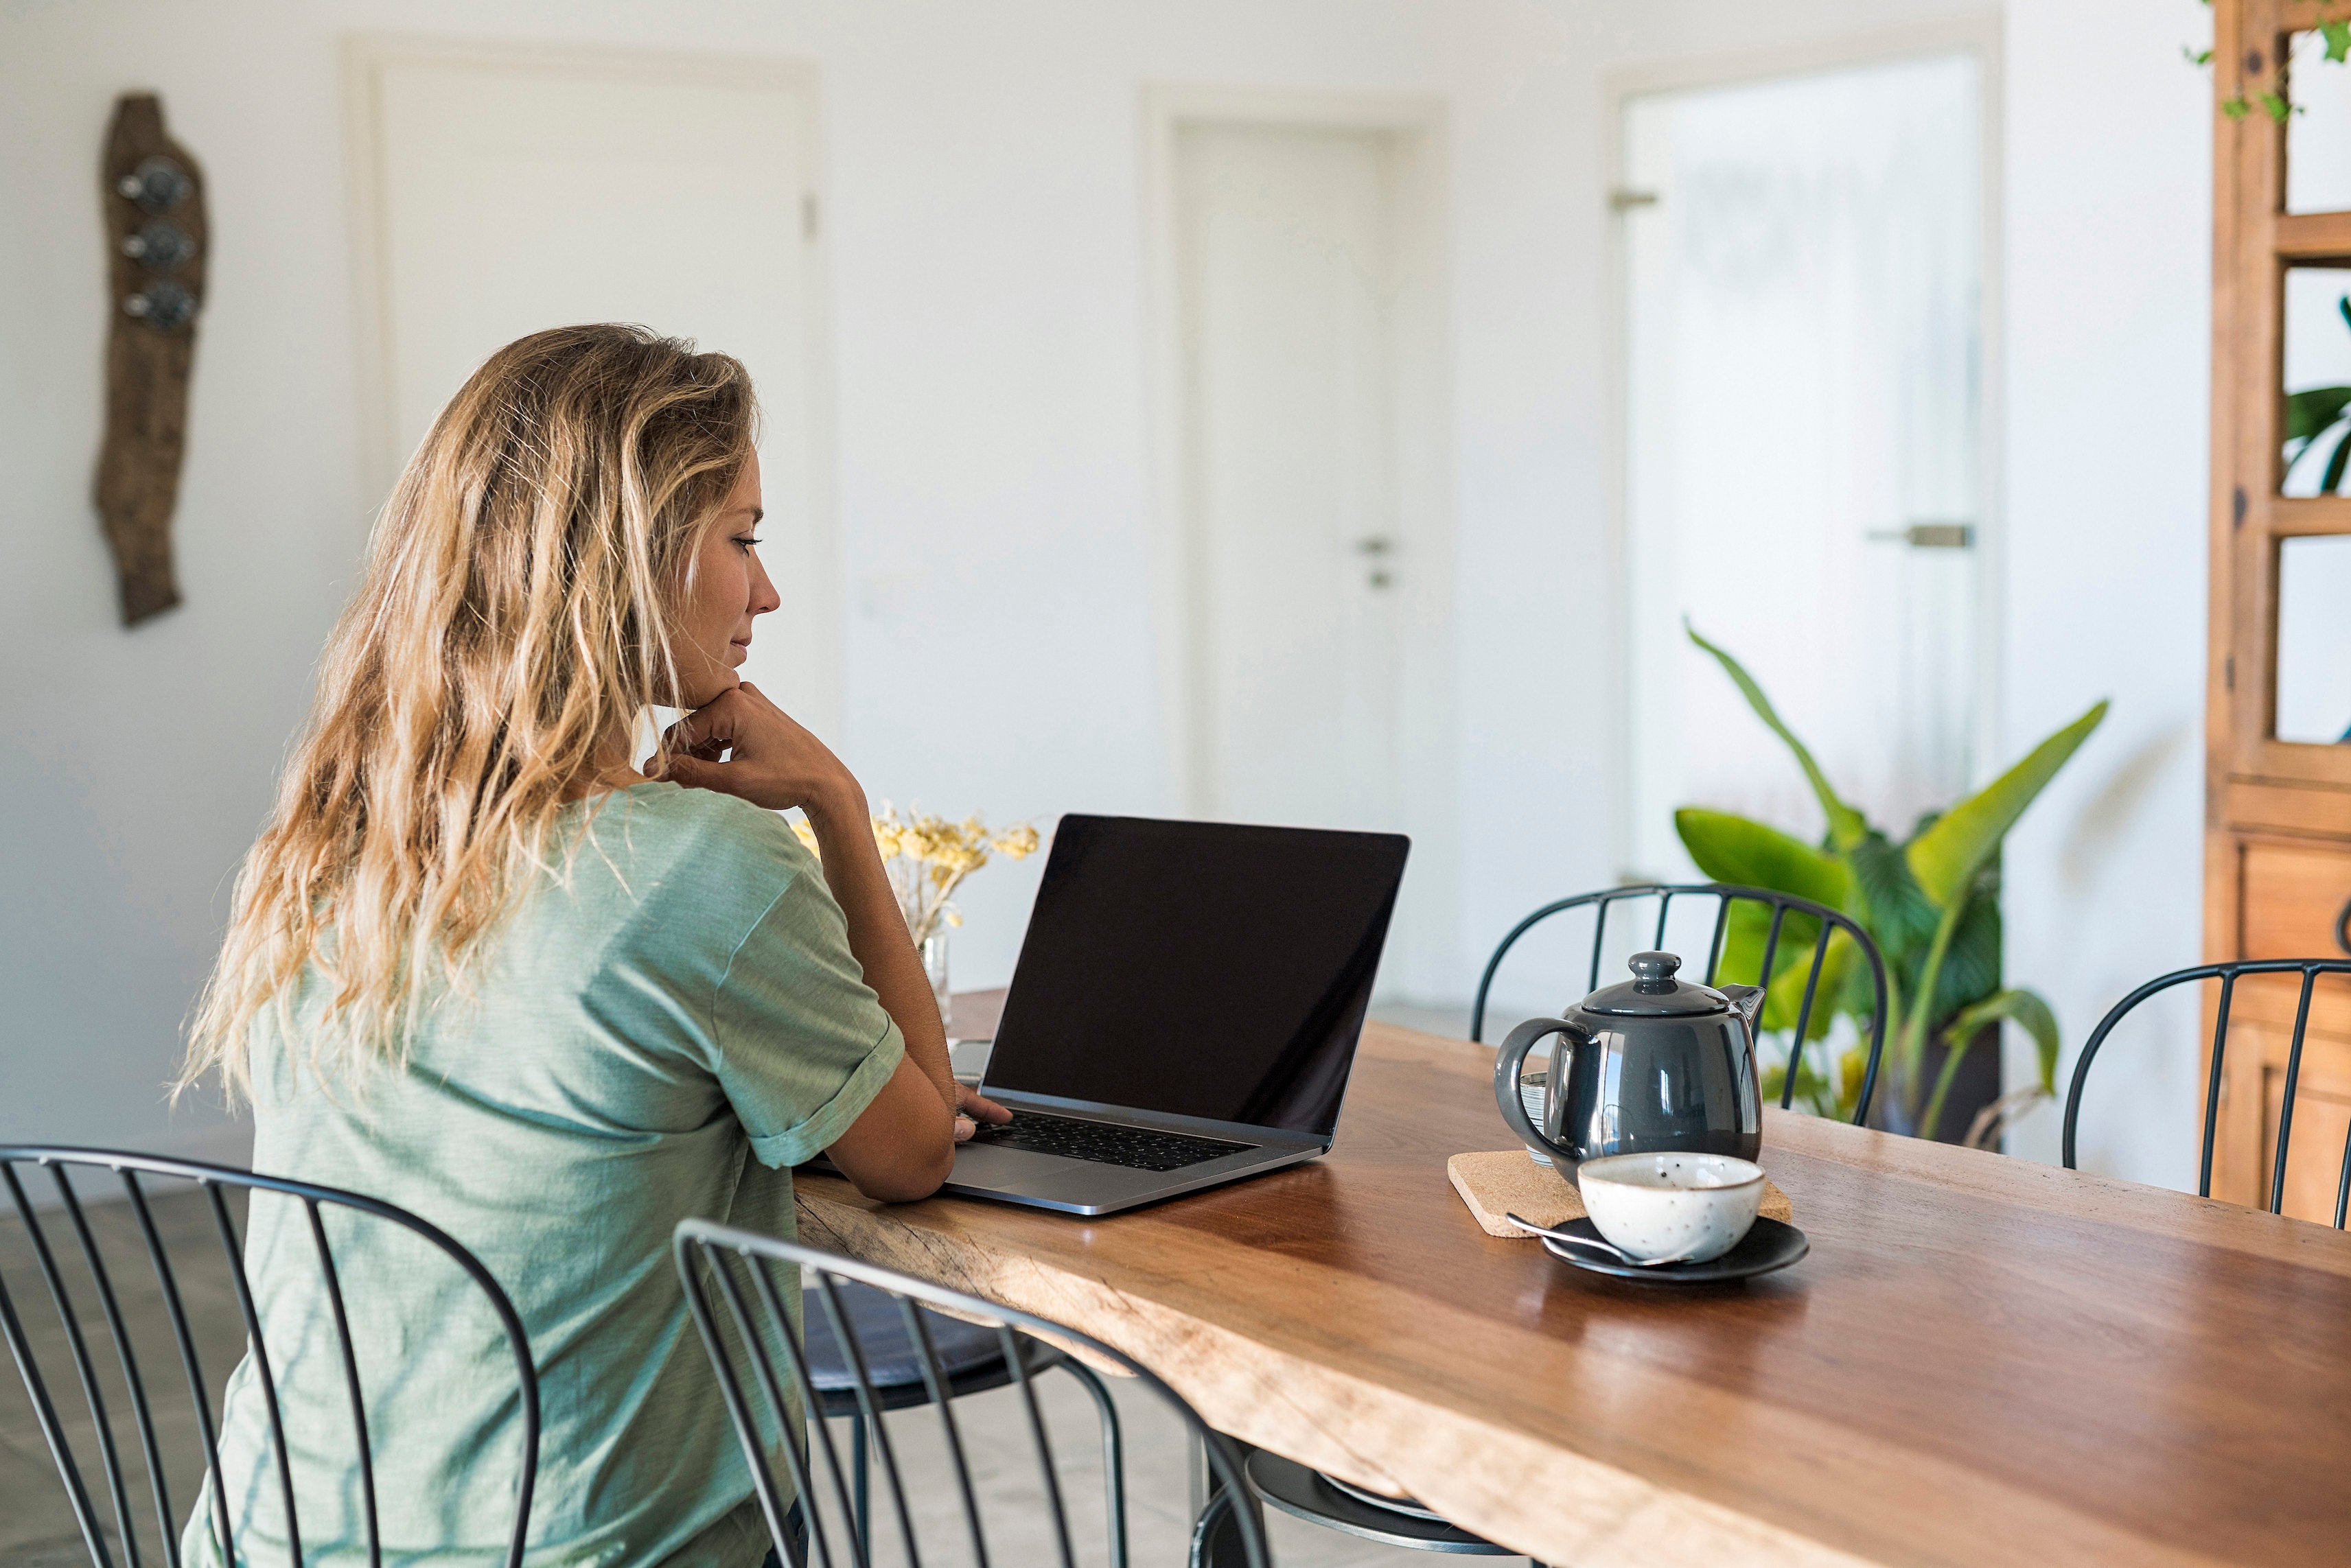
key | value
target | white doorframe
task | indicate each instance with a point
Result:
(1976, 36)
(365, 57)
(1423, 371)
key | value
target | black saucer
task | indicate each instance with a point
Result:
(1767, 1245)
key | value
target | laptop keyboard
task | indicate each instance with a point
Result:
(1102, 1142)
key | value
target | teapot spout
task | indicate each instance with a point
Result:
(1746, 1000)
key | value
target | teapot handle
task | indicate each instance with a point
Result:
(1512, 1058)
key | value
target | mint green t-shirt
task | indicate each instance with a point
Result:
(660, 1030)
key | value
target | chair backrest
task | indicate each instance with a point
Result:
(2228, 974)
(1816, 924)
(743, 1266)
(213, 1182)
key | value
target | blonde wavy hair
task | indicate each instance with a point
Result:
(514, 621)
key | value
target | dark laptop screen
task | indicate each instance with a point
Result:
(1199, 968)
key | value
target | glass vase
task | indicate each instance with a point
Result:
(934, 964)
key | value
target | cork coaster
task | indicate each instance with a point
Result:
(1507, 1182)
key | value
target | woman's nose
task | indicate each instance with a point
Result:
(764, 596)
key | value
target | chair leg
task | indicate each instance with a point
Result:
(1113, 1459)
(1217, 1541)
(861, 1487)
(1204, 1554)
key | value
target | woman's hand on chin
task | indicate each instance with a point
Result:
(769, 759)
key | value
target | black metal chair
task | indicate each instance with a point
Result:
(733, 1288)
(973, 1360)
(2228, 975)
(213, 1180)
(1819, 922)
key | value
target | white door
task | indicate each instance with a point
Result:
(514, 193)
(1804, 479)
(1286, 260)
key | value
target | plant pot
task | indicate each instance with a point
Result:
(1899, 1104)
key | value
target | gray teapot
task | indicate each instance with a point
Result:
(1648, 1064)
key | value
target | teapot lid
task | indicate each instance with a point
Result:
(1654, 992)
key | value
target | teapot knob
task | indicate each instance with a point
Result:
(1654, 972)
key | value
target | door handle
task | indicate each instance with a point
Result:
(1929, 536)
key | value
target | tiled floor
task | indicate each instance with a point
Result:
(37, 1525)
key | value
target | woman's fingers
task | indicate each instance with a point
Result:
(970, 1102)
(693, 773)
(768, 759)
(709, 729)
(972, 1108)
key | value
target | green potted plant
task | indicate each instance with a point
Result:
(1931, 903)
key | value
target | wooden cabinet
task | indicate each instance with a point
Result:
(2278, 777)
(2296, 897)
(2283, 898)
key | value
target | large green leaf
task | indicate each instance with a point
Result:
(1732, 848)
(2025, 1008)
(1945, 858)
(1846, 825)
(1748, 932)
(1890, 904)
(1749, 929)
(1784, 997)
(1972, 963)
(2310, 411)
(2333, 479)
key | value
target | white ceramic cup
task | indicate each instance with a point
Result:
(1692, 1207)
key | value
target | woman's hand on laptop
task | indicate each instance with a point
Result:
(972, 1108)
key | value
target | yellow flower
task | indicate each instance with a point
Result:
(928, 857)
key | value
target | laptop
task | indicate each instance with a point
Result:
(1184, 1010)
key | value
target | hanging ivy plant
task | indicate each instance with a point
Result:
(2335, 35)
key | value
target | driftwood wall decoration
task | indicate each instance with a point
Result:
(156, 240)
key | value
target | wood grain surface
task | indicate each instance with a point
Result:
(1983, 1360)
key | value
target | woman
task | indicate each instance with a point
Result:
(484, 968)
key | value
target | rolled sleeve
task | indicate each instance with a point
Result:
(804, 1046)
(816, 1133)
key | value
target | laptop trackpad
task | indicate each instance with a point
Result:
(1027, 1174)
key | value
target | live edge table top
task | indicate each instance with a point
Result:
(1983, 1360)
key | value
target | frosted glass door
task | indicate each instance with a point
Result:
(1804, 483)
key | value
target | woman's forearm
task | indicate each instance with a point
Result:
(878, 935)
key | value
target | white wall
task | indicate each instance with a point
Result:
(2109, 177)
(985, 232)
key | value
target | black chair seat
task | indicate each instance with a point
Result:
(970, 1357)
(1311, 1495)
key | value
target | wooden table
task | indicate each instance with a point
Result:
(1983, 1360)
